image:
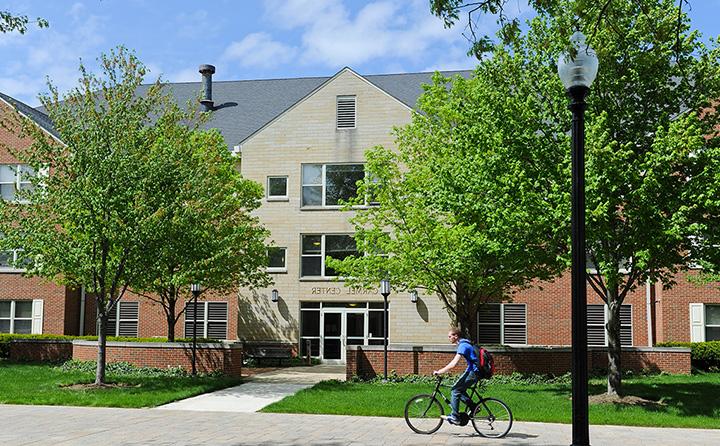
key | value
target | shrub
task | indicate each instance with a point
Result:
(704, 355)
(122, 368)
(515, 378)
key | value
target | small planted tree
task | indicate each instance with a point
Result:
(203, 230)
(87, 223)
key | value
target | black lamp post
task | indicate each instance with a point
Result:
(577, 74)
(385, 291)
(195, 289)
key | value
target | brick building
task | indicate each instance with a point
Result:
(304, 140)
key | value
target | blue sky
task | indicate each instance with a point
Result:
(244, 39)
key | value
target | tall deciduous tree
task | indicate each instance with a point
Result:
(646, 141)
(204, 232)
(468, 209)
(86, 223)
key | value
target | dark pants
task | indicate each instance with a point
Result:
(458, 393)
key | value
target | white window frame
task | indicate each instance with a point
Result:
(36, 315)
(277, 269)
(18, 182)
(322, 254)
(698, 321)
(284, 197)
(14, 258)
(337, 111)
(502, 323)
(605, 321)
(323, 186)
(115, 317)
(204, 317)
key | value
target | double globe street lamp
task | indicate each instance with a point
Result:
(577, 72)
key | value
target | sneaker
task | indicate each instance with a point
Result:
(452, 419)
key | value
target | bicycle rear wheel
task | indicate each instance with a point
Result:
(422, 414)
(492, 418)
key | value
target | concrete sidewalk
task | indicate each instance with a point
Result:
(72, 426)
(259, 390)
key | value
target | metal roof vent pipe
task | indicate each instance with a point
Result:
(206, 103)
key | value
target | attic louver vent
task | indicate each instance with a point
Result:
(346, 112)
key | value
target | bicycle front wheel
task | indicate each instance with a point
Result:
(422, 414)
(492, 418)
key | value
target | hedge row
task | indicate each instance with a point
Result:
(704, 355)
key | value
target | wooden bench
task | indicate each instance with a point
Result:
(260, 351)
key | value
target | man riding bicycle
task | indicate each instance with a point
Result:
(467, 379)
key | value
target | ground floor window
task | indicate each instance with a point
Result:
(502, 324)
(328, 327)
(704, 322)
(21, 316)
(123, 320)
(211, 322)
(597, 319)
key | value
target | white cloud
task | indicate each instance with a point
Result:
(51, 53)
(331, 35)
(259, 50)
(186, 75)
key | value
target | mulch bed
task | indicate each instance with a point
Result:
(93, 386)
(628, 400)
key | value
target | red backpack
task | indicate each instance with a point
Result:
(486, 363)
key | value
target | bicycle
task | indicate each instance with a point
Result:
(490, 417)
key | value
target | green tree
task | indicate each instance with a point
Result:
(86, 223)
(203, 230)
(645, 131)
(467, 210)
(10, 22)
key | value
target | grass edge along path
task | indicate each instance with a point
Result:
(45, 384)
(685, 401)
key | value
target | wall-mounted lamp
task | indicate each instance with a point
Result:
(413, 296)
(274, 295)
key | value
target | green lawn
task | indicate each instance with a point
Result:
(42, 384)
(690, 401)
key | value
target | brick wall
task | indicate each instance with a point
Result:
(549, 312)
(40, 350)
(674, 306)
(210, 357)
(152, 321)
(13, 286)
(368, 361)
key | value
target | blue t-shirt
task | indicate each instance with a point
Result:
(465, 348)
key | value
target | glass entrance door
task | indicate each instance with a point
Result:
(340, 328)
(332, 335)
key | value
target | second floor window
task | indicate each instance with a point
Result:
(315, 248)
(330, 184)
(14, 177)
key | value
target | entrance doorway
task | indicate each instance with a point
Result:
(332, 326)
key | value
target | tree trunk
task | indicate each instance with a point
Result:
(170, 315)
(464, 318)
(614, 376)
(100, 370)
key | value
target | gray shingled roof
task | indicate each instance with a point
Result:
(37, 116)
(244, 107)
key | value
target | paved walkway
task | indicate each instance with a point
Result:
(71, 426)
(259, 390)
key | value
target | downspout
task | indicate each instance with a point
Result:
(81, 332)
(649, 301)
